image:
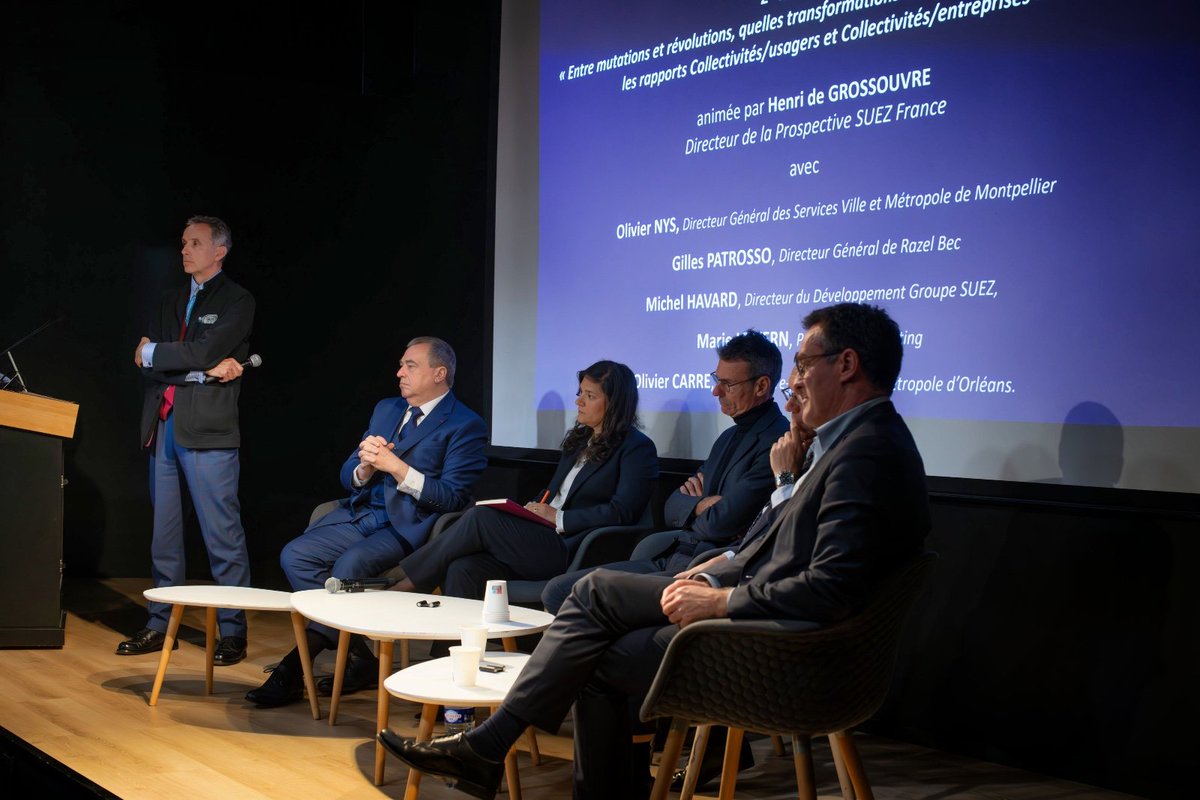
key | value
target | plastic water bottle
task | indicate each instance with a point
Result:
(458, 720)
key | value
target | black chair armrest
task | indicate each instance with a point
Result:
(705, 555)
(322, 510)
(443, 522)
(655, 544)
(606, 545)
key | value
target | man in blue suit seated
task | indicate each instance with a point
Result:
(715, 506)
(417, 461)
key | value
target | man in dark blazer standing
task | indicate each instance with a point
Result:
(417, 460)
(858, 513)
(717, 504)
(192, 359)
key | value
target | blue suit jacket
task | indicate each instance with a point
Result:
(744, 485)
(447, 448)
(613, 492)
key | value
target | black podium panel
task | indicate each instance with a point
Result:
(31, 524)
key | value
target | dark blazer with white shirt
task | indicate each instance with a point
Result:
(612, 492)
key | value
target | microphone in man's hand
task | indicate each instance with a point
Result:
(253, 361)
(358, 584)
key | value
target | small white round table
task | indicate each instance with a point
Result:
(386, 616)
(431, 685)
(211, 598)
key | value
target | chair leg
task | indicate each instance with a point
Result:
(511, 776)
(858, 776)
(168, 646)
(670, 757)
(210, 646)
(339, 674)
(535, 753)
(777, 745)
(839, 763)
(806, 782)
(729, 770)
(692, 775)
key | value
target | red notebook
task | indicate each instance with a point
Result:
(514, 508)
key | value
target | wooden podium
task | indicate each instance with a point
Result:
(32, 430)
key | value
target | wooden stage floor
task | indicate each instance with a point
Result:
(86, 708)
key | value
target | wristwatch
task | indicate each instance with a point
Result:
(785, 478)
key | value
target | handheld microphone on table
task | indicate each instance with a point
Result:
(334, 585)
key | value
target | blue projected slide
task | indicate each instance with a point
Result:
(1015, 182)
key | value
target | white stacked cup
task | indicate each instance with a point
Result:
(495, 602)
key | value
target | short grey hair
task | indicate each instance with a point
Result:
(441, 354)
(221, 235)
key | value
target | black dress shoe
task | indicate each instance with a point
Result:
(362, 672)
(713, 762)
(449, 757)
(286, 685)
(144, 641)
(230, 651)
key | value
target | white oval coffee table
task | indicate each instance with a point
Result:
(386, 616)
(211, 598)
(431, 685)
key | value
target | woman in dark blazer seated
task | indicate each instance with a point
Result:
(605, 477)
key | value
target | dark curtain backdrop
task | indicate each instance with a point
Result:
(349, 150)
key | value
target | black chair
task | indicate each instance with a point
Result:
(440, 525)
(784, 677)
(601, 546)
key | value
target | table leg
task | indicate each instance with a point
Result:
(210, 645)
(339, 672)
(424, 734)
(310, 684)
(386, 647)
(168, 644)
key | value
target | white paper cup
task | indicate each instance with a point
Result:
(495, 602)
(474, 636)
(464, 664)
